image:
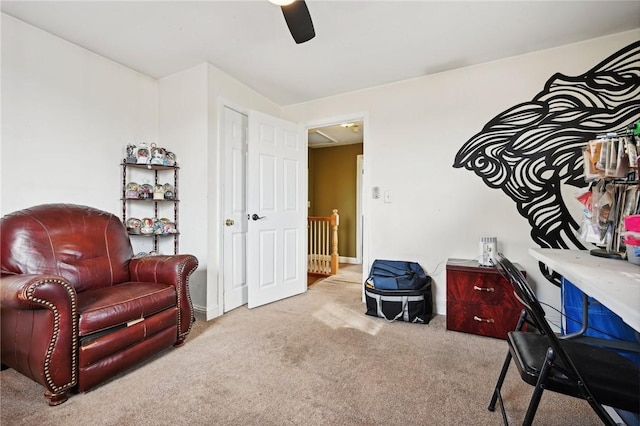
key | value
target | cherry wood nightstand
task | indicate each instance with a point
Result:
(479, 300)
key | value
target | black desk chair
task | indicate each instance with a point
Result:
(596, 374)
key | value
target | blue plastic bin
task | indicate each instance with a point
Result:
(602, 322)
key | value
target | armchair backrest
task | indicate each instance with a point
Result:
(90, 248)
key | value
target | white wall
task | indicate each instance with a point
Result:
(67, 115)
(413, 132)
(183, 129)
(189, 111)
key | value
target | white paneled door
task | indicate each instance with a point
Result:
(276, 209)
(234, 209)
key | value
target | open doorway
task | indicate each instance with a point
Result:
(335, 181)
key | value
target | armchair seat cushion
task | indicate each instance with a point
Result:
(109, 307)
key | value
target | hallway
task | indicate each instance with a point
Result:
(346, 272)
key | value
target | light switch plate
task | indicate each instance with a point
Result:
(375, 192)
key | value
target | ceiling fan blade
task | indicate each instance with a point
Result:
(299, 21)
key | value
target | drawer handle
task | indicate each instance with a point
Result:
(488, 321)
(487, 289)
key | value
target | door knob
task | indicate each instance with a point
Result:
(229, 222)
(256, 217)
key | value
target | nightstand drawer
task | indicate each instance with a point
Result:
(480, 287)
(486, 320)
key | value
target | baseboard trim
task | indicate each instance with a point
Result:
(351, 260)
(205, 314)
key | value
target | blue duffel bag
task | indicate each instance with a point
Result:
(396, 275)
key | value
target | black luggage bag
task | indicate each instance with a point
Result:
(400, 305)
(393, 302)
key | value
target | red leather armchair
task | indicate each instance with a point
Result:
(76, 308)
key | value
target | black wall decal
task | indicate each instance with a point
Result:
(532, 149)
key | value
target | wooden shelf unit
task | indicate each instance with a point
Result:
(155, 168)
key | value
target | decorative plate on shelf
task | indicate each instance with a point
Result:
(142, 154)
(170, 159)
(146, 191)
(133, 225)
(166, 227)
(158, 192)
(132, 190)
(157, 154)
(147, 226)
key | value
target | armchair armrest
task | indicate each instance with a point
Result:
(174, 270)
(39, 330)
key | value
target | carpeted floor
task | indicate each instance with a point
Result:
(313, 359)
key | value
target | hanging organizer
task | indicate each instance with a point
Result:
(611, 164)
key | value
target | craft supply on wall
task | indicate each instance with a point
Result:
(611, 165)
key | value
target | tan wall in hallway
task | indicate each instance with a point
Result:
(332, 185)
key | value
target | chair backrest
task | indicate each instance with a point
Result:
(90, 248)
(536, 313)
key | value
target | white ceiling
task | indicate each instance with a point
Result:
(342, 134)
(358, 44)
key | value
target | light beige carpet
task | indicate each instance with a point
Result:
(313, 359)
